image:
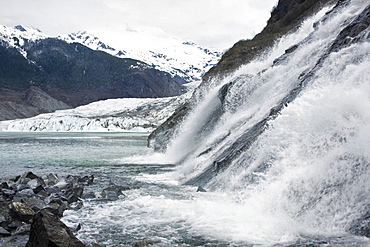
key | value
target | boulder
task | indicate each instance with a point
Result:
(47, 230)
(201, 189)
(145, 242)
(86, 180)
(52, 179)
(34, 183)
(20, 211)
(113, 192)
(8, 194)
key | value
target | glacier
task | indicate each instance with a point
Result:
(120, 115)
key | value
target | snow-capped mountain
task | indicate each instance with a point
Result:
(182, 59)
(127, 115)
(18, 36)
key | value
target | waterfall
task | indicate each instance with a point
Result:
(288, 134)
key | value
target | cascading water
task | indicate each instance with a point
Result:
(282, 147)
(289, 139)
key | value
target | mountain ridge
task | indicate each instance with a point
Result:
(183, 59)
(71, 73)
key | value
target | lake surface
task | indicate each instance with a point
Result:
(156, 208)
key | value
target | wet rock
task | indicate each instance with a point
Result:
(25, 178)
(21, 211)
(53, 190)
(56, 209)
(145, 242)
(72, 182)
(52, 179)
(89, 195)
(25, 192)
(34, 183)
(2, 219)
(14, 225)
(7, 194)
(34, 203)
(4, 209)
(38, 189)
(86, 180)
(20, 187)
(23, 197)
(14, 241)
(4, 185)
(77, 191)
(22, 230)
(113, 192)
(48, 230)
(15, 179)
(73, 198)
(4, 232)
(201, 189)
(29, 175)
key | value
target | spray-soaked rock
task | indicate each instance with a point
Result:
(21, 211)
(48, 230)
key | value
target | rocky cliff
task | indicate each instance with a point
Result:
(285, 17)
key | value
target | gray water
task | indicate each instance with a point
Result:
(156, 208)
(66, 152)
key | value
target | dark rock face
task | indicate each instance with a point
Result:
(27, 103)
(13, 106)
(58, 75)
(160, 137)
(48, 230)
(38, 98)
(285, 18)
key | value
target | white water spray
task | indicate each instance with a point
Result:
(309, 168)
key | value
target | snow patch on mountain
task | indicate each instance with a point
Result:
(19, 36)
(182, 59)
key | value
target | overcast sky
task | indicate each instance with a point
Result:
(210, 23)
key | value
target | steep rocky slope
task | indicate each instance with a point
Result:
(285, 18)
(28, 103)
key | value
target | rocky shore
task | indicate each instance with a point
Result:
(31, 207)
